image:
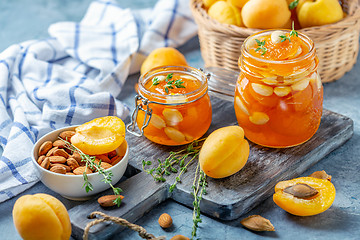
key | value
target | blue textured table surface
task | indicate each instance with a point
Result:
(22, 20)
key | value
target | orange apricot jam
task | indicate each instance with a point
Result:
(178, 100)
(278, 94)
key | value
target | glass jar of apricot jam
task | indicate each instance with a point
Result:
(172, 106)
(278, 94)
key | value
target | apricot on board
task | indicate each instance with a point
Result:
(100, 135)
(41, 217)
(304, 201)
(164, 56)
(224, 152)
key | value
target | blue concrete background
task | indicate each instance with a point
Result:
(22, 20)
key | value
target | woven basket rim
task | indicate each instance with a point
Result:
(200, 14)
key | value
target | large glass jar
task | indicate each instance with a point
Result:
(173, 105)
(278, 95)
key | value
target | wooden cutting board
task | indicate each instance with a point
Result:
(227, 198)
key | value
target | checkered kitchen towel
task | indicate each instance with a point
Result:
(75, 75)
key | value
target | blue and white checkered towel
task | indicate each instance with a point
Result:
(75, 75)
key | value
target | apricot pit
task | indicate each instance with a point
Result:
(304, 196)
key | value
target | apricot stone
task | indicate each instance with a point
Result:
(41, 217)
(224, 152)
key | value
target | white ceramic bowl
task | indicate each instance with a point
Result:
(71, 186)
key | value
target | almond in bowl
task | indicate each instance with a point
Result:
(61, 166)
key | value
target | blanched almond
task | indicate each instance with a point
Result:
(172, 116)
(262, 90)
(241, 105)
(157, 121)
(174, 134)
(176, 98)
(300, 85)
(259, 118)
(275, 36)
(282, 91)
(270, 81)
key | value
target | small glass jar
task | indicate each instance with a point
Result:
(172, 119)
(278, 103)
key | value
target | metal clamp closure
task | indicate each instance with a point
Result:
(141, 104)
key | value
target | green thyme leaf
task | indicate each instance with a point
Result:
(293, 4)
(155, 81)
(293, 33)
(261, 47)
(284, 38)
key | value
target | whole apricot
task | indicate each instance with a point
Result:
(100, 135)
(238, 3)
(208, 3)
(162, 57)
(224, 12)
(319, 12)
(41, 217)
(224, 152)
(304, 196)
(265, 14)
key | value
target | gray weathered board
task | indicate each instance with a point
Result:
(227, 198)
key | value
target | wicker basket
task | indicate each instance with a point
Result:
(336, 44)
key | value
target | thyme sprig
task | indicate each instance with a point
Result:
(284, 38)
(293, 33)
(156, 81)
(90, 163)
(293, 4)
(261, 46)
(199, 189)
(168, 166)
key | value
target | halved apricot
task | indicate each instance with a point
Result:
(304, 196)
(99, 136)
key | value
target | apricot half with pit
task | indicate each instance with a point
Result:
(41, 217)
(304, 196)
(224, 152)
(99, 136)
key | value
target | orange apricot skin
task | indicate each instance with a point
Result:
(305, 207)
(41, 217)
(224, 152)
